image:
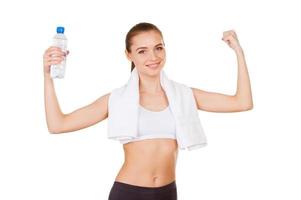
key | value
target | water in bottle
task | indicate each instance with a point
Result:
(59, 40)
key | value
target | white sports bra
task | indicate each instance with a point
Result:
(154, 124)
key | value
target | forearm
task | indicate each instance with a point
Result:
(54, 115)
(243, 92)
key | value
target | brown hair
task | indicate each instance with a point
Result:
(135, 30)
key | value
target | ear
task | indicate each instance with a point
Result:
(128, 55)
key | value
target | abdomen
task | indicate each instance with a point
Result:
(149, 163)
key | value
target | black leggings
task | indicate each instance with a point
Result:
(124, 191)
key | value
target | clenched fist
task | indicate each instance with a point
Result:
(231, 39)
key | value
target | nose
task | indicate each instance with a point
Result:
(153, 55)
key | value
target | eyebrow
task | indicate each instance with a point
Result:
(146, 47)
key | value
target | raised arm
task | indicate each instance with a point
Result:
(86, 116)
(242, 100)
(58, 122)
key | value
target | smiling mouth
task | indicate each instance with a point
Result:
(155, 65)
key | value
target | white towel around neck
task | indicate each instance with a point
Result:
(123, 108)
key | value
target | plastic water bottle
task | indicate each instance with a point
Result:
(59, 40)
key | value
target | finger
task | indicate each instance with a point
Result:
(226, 33)
(229, 41)
(54, 62)
(233, 32)
(228, 37)
(56, 58)
(230, 32)
(225, 38)
(51, 48)
(50, 59)
(233, 38)
(55, 53)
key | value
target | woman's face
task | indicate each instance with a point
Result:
(147, 52)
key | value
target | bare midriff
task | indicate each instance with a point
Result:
(149, 163)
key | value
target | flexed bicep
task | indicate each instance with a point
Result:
(217, 102)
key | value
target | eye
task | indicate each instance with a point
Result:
(141, 52)
(159, 48)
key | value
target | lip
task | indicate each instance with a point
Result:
(153, 65)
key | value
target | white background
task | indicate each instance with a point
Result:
(250, 155)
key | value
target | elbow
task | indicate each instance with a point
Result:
(55, 127)
(51, 132)
(247, 107)
(54, 130)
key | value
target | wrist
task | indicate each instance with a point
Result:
(239, 51)
(47, 76)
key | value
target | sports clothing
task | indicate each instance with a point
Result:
(124, 191)
(154, 124)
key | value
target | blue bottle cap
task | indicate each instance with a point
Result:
(60, 29)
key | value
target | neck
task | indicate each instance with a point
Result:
(149, 84)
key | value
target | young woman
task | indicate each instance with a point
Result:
(148, 171)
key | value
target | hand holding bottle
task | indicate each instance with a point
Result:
(53, 56)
